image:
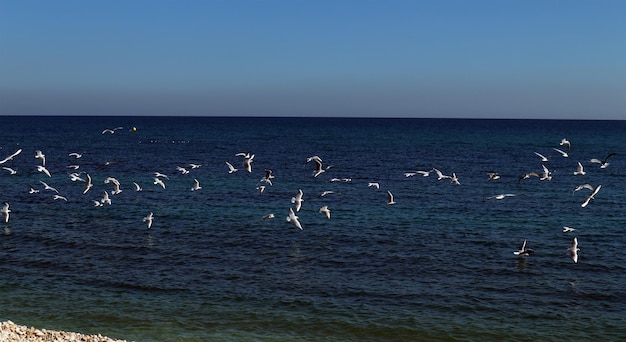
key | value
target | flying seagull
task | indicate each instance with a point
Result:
(579, 170)
(591, 196)
(5, 211)
(573, 250)
(523, 251)
(324, 210)
(294, 219)
(603, 163)
(11, 156)
(148, 219)
(297, 200)
(390, 199)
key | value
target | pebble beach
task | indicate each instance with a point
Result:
(11, 332)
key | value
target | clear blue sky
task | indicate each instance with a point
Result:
(436, 58)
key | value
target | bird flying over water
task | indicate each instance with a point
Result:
(523, 251)
(573, 250)
(11, 156)
(294, 219)
(40, 155)
(561, 152)
(591, 196)
(5, 211)
(231, 168)
(324, 210)
(565, 142)
(297, 200)
(390, 199)
(148, 219)
(579, 170)
(603, 163)
(568, 229)
(543, 158)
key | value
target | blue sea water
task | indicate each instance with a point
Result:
(437, 265)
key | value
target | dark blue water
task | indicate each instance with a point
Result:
(438, 265)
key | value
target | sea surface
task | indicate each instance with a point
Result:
(436, 266)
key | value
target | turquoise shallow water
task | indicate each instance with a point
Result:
(438, 265)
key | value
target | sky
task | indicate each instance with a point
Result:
(344, 58)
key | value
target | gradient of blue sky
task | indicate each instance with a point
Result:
(496, 59)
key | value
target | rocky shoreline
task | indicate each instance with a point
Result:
(11, 332)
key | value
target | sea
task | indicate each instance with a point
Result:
(438, 265)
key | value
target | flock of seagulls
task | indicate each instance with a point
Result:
(160, 180)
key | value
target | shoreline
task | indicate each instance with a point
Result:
(11, 332)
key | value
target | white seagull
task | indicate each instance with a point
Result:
(158, 181)
(196, 185)
(603, 163)
(568, 229)
(573, 250)
(59, 197)
(543, 158)
(247, 163)
(48, 187)
(491, 176)
(294, 219)
(297, 200)
(268, 216)
(591, 196)
(5, 211)
(324, 210)
(373, 185)
(111, 131)
(88, 184)
(390, 200)
(563, 153)
(40, 155)
(523, 251)
(231, 168)
(148, 219)
(440, 175)
(565, 142)
(501, 196)
(318, 165)
(105, 198)
(583, 186)
(10, 170)
(11, 156)
(579, 170)
(137, 186)
(44, 170)
(75, 155)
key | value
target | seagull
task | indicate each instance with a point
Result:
(603, 163)
(48, 187)
(583, 186)
(568, 229)
(182, 170)
(523, 251)
(294, 219)
(563, 153)
(75, 177)
(565, 142)
(149, 219)
(591, 196)
(11, 156)
(247, 163)
(324, 210)
(11, 171)
(573, 250)
(528, 175)
(423, 173)
(268, 216)
(268, 177)
(543, 158)
(318, 165)
(106, 199)
(261, 188)
(40, 155)
(96, 203)
(196, 185)
(326, 193)
(44, 170)
(501, 196)
(390, 200)
(137, 186)
(5, 211)
(298, 200)
(159, 182)
(111, 131)
(75, 154)
(454, 179)
(116, 185)
(32, 190)
(374, 185)
(579, 170)
(231, 168)
(194, 166)
(160, 175)
(59, 197)
(409, 174)
(546, 175)
(440, 175)
(491, 176)
(88, 184)
(75, 167)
